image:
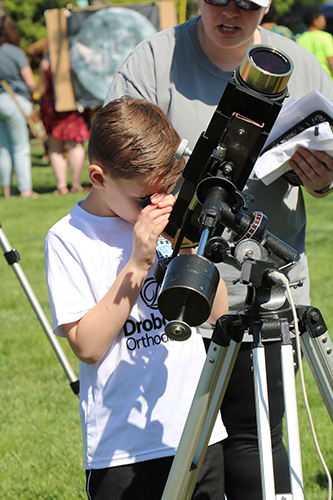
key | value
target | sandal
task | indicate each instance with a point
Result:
(61, 191)
(30, 194)
(78, 189)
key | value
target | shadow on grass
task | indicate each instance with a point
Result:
(321, 479)
(48, 190)
(52, 189)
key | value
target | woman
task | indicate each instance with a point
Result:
(14, 133)
(67, 131)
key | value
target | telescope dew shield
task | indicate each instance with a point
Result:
(187, 294)
(266, 69)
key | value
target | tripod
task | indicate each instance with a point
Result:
(12, 257)
(266, 315)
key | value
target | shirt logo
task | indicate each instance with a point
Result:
(149, 331)
(149, 293)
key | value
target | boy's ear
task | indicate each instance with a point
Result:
(97, 176)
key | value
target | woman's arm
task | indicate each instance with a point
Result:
(28, 77)
(220, 304)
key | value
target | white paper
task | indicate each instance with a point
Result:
(295, 111)
(274, 163)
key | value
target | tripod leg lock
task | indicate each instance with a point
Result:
(311, 320)
(12, 256)
(228, 327)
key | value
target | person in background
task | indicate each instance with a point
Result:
(316, 40)
(136, 385)
(35, 53)
(185, 70)
(67, 131)
(15, 151)
(269, 22)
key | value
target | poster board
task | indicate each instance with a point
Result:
(62, 27)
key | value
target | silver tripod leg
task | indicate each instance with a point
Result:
(290, 403)
(200, 421)
(318, 352)
(262, 413)
(39, 312)
(263, 425)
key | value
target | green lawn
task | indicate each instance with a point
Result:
(41, 450)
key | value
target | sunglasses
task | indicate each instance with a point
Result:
(241, 4)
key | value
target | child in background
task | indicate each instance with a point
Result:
(316, 40)
(136, 385)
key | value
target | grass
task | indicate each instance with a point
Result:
(319, 250)
(41, 450)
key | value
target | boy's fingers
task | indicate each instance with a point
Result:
(162, 199)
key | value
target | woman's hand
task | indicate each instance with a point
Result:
(315, 169)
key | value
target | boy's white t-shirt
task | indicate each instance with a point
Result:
(134, 402)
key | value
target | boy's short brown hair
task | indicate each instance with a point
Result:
(131, 137)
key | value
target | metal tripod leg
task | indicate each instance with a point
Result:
(262, 414)
(290, 404)
(12, 259)
(200, 421)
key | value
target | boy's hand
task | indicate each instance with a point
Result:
(150, 224)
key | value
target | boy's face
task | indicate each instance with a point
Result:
(320, 23)
(123, 197)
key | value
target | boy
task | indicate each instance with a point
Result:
(316, 40)
(136, 385)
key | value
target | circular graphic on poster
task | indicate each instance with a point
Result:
(104, 41)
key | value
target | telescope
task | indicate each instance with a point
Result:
(211, 197)
(238, 129)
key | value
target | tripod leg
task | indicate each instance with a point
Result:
(290, 403)
(200, 421)
(13, 261)
(262, 413)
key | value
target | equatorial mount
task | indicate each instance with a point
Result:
(191, 280)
